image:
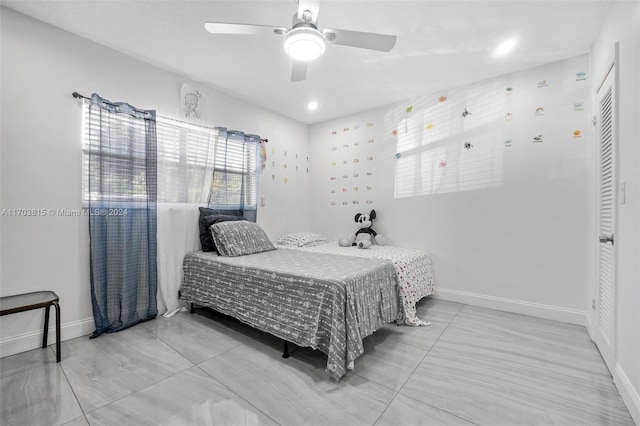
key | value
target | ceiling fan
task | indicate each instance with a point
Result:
(304, 42)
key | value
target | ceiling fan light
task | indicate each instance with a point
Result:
(304, 44)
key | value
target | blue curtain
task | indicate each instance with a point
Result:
(122, 193)
(235, 176)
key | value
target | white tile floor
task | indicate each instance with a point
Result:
(472, 366)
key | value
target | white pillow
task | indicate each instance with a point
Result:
(302, 239)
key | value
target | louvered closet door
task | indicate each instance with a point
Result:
(606, 291)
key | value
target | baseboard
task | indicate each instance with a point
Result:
(571, 316)
(629, 394)
(32, 340)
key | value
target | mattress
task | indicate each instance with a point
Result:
(319, 300)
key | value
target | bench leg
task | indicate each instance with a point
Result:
(58, 349)
(46, 327)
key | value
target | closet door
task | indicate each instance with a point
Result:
(604, 334)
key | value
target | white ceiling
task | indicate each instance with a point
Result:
(441, 44)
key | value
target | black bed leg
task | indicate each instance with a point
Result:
(285, 353)
(193, 308)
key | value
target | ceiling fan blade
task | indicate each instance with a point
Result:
(244, 29)
(313, 6)
(299, 72)
(364, 40)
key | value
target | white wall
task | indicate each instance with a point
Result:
(41, 161)
(622, 24)
(504, 221)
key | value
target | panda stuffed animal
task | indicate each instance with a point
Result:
(365, 236)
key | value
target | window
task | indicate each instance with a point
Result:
(185, 161)
(235, 178)
(187, 157)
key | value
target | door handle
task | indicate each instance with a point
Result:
(606, 238)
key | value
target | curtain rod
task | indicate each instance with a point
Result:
(79, 96)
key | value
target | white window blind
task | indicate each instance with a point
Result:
(185, 161)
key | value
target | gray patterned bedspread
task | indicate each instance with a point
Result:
(323, 301)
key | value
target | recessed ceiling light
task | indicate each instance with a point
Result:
(505, 47)
(312, 105)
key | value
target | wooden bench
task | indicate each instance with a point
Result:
(36, 300)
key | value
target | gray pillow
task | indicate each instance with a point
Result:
(239, 238)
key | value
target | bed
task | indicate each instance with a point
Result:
(323, 300)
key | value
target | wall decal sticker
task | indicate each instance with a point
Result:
(508, 117)
(581, 76)
(465, 113)
(193, 101)
(578, 106)
(537, 139)
(509, 90)
(542, 83)
(429, 126)
(468, 145)
(507, 143)
(286, 180)
(442, 164)
(395, 132)
(398, 155)
(409, 109)
(539, 111)
(442, 98)
(577, 134)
